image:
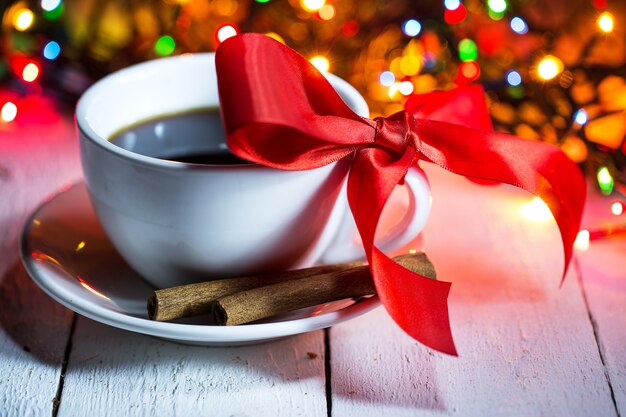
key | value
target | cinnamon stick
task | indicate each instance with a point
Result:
(262, 302)
(195, 299)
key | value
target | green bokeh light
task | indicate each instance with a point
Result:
(516, 92)
(605, 181)
(165, 45)
(53, 14)
(497, 6)
(468, 51)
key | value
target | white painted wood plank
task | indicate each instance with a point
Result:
(603, 274)
(114, 373)
(35, 160)
(526, 347)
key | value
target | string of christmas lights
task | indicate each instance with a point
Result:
(553, 71)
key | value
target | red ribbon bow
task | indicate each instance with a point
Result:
(279, 111)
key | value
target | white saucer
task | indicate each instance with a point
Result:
(69, 256)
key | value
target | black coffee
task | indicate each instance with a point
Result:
(194, 137)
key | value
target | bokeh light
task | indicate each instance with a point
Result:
(326, 12)
(393, 90)
(605, 180)
(497, 6)
(350, 28)
(51, 50)
(8, 112)
(412, 27)
(405, 88)
(312, 5)
(30, 73)
(321, 63)
(519, 26)
(224, 32)
(469, 70)
(387, 78)
(495, 16)
(606, 22)
(455, 16)
(468, 51)
(410, 65)
(451, 4)
(581, 117)
(165, 45)
(549, 67)
(513, 78)
(55, 13)
(617, 208)
(23, 19)
(49, 5)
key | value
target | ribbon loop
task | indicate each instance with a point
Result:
(281, 112)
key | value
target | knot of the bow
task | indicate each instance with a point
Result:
(396, 132)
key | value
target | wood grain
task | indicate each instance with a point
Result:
(526, 347)
(115, 373)
(35, 160)
(603, 276)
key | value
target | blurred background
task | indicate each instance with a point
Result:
(553, 71)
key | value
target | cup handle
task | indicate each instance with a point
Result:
(344, 247)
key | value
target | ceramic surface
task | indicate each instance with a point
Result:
(68, 254)
(176, 223)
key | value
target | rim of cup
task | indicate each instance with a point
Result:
(358, 105)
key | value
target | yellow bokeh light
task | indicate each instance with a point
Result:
(9, 112)
(223, 8)
(321, 63)
(326, 12)
(312, 5)
(30, 72)
(394, 66)
(275, 36)
(394, 90)
(606, 22)
(549, 67)
(410, 65)
(23, 19)
(582, 240)
(536, 210)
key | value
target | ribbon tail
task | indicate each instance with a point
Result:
(416, 303)
(541, 169)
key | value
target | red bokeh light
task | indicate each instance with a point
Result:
(350, 28)
(468, 71)
(453, 17)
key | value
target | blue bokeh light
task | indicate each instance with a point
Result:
(581, 117)
(513, 78)
(51, 50)
(519, 26)
(411, 27)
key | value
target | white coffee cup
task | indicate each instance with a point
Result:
(177, 223)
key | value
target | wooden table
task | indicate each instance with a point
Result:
(527, 347)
